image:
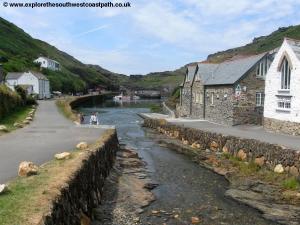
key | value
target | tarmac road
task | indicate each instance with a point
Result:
(48, 134)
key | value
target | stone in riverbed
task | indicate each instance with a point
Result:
(242, 155)
(27, 169)
(214, 146)
(279, 169)
(225, 149)
(260, 161)
(29, 118)
(82, 145)
(63, 155)
(195, 220)
(294, 171)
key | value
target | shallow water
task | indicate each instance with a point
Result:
(185, 188)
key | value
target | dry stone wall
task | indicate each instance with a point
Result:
(253, 149)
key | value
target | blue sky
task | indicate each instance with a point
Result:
(153, 35)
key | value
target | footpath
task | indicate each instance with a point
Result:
(245, 131)
(48, 134)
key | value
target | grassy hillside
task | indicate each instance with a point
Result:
(18, 50)
(258, 45)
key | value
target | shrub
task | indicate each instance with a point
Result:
(9, 100)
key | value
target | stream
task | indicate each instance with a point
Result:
(184, 187)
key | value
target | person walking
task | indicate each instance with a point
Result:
(94, 119)
(81, 118)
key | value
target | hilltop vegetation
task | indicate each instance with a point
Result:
(259, 44)
(18, 50)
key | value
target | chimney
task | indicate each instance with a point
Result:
(1, 74)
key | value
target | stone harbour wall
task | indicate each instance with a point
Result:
(250, 149)
(82, 192)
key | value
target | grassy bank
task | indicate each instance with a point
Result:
(252, 170)
(65, 108)
(17, 116)
(29, 198)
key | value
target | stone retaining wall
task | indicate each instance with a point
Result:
(90, 100)
(82, 192)
(273, 154)
(285, 127)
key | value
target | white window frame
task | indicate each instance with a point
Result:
(212, 98)
(285, 75)
(262, 68)
(284, 103)
(259, 99)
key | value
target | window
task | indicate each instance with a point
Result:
(284, 102)
(285, 75)
(212, 99)
(262, 67)
(260, 99)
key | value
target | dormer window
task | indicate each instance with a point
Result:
(262, 67)
(285, 75)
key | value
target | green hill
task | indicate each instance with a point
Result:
(18, 50)
(259, 44)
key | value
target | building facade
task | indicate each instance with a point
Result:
(47, 63)
(230, 93)
(39, 82)
(282, 103)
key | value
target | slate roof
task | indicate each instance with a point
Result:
(191, 73)
(295, 45)
(205, 70)
(230, 72)
(13, 76)
(16, 76)
(39, 76)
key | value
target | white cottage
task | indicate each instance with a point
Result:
(48, 63)
(282, 90)
(39, 82)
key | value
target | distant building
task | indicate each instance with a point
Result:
(48, 63)
(231, 92)
(36, 83)
(282, 102)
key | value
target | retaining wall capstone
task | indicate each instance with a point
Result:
(83, 190)
(274, 154)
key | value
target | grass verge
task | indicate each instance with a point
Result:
(16, 116)
(65, 108)
(29, 198)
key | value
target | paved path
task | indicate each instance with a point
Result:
(49, 133)
(251, 132)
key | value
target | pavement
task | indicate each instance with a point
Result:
(48, 134)
(243, 131)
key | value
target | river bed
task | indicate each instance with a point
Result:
(185, 188)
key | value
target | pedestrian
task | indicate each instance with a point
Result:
(94, 119)
(81, 118)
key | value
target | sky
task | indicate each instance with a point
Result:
(152, 35)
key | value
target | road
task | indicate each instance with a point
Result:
(48, 134)
(243, 131)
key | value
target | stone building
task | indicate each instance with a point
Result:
(230, 93)
(282, 105)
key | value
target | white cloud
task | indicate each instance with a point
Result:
(92, 30)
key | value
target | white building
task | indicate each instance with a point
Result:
(48, 63)
(282, 91)
(40, 83)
